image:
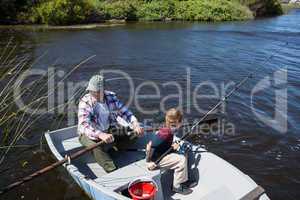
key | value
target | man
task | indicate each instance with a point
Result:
(98, 111)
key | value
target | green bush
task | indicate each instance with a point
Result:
(60, 12)
(211, 10)
(123, 9)
(156, 10)
(287, 7)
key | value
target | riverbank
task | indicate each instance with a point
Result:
(64, 27)
(68, 12)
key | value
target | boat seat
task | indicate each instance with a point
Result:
(71, 143)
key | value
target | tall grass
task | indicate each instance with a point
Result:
(17, 122)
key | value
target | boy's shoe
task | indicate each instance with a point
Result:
(190, 184)
(182, 190)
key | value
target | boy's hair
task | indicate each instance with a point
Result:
(173, 114)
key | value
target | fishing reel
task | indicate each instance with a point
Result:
(121, 130)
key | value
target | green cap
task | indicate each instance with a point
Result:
(96, 83)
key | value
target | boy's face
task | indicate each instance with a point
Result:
(173, 123)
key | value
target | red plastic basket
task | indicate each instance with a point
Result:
(142, 189)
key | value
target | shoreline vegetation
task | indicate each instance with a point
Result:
(85, 12)
(290, 6)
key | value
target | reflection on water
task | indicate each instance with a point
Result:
(162, 52)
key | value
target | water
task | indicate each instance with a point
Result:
(162, 52)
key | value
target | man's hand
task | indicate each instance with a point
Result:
(137, 129)
(151, 165)
(107, 138)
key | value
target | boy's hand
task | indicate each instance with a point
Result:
(148, 146)
(151, 165)
(175, 146)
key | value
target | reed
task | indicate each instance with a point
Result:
(16, 122)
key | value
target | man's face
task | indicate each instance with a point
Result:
(98, 95)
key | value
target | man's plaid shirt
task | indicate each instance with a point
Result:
(87, 113)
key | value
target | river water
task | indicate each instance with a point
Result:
(190, 54)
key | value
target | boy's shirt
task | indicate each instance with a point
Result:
(163, 139)
(161, 142)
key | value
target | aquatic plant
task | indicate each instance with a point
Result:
(15, 121)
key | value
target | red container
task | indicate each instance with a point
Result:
(142, 190)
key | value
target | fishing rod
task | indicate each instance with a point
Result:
(204, 117)
(227, 96)
(144, 150)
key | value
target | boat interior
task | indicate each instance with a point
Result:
(204, 168)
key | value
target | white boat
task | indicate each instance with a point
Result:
(217, 179)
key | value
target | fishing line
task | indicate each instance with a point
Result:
(224, 99)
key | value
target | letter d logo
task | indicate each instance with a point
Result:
(279, 121)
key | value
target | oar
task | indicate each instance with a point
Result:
(49, 167)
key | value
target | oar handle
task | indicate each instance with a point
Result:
(49, 167)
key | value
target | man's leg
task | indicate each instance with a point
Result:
(101, 157)
(178, 163)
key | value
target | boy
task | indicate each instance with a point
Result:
(160, 143)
